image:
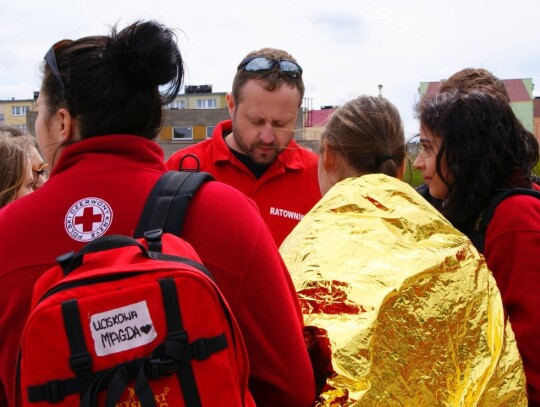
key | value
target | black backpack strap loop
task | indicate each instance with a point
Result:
(202, 349)
(192, 157)
(119, 383)
(70, 261)
(100, 382)
(178, 338)
(168, 201)
(80, 360)
(56, 390)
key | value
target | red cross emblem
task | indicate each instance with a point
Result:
(88, 219)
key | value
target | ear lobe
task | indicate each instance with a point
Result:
(231, 104)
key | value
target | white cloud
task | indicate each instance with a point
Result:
(346, 47)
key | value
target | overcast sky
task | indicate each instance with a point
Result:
(346, 47)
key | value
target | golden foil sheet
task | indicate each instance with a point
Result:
(411, 312)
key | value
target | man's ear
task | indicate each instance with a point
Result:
(231, 104)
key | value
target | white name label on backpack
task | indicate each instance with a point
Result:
(122, 328)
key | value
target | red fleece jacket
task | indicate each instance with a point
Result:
(287, 190)
(512, 252)
(222, 225)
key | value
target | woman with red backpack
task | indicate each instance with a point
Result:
(99, 107)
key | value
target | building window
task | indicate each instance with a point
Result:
(177, 104)
(19, 110)
(182, 133)
(206, 103)
(2, 117)
(209, 131)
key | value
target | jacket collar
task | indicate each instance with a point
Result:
(124, 148)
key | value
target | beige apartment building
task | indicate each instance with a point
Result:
(192, 116)
(14, 111)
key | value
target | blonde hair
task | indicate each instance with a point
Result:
(14, 162)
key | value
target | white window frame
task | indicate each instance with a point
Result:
(206, 103)
(209, 131)
(189, 133)
(177, 104)
(19, 110)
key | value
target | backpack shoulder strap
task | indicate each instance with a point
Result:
(480, 227)
(168, 201)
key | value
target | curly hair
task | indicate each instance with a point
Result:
(484, 146)
(476, 78)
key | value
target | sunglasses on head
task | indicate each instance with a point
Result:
(260, 64)
(50, 59)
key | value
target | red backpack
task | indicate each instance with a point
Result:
(133, 322)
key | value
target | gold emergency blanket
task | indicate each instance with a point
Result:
(412, 314)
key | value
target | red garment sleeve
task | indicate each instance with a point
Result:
(280, 365)
(512, 251)
(237, 247)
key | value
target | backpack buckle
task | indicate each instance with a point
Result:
(153, 235)
(153, 239)
(158, 368)
(200, 350)
(55, 392)
(80, 363)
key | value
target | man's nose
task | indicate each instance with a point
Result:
(267, 134)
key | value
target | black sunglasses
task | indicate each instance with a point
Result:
(260, 64)
(50, 59)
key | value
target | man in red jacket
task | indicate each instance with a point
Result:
(255, 151)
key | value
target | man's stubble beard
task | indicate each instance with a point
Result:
(249, 150)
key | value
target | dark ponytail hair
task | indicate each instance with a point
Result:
(111, 84)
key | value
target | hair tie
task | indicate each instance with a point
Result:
(381, 159)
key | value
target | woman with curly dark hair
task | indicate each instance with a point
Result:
(473, 145)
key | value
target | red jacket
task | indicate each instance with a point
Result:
(222, 225)
(284, 194)
(512, 252)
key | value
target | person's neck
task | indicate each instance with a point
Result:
(231, 143)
